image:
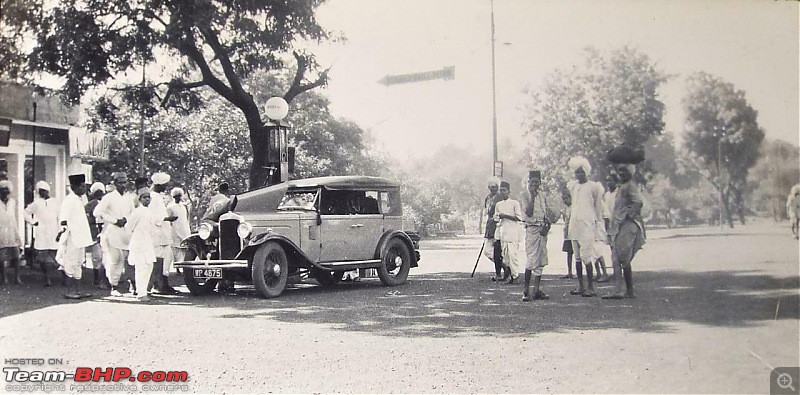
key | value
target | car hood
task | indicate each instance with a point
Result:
(260, 200)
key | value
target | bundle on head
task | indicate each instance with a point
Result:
(625, 154)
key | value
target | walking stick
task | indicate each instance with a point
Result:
(477, 260)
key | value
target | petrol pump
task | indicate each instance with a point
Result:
(280, 156)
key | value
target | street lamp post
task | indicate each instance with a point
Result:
(721, 134)
(494, 98)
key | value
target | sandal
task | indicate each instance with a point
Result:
(613, 296)
(588, 294)
(526, 297)
(541, 296)
(567, 276)
(577, 292)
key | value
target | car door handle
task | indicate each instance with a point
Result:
(357, 225)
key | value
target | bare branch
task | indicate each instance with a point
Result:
(297, 84)
(177, 86)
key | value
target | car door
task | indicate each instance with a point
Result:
(339, 230)
(368, 227)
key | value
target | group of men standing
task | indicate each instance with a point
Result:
(131, 234)
(591, 223)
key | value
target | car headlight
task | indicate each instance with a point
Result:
(204, 231)
(244, 230)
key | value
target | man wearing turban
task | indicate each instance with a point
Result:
(491, 247)
(586, 221)
(626, 228)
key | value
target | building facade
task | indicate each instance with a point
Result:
(40, 139)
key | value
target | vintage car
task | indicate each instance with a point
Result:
(315, 227)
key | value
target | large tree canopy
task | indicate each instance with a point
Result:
(215, 44)
(587, 110)
(211, 146)
(722, 136)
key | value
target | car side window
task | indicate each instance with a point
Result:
(390, 203)
(370, 203)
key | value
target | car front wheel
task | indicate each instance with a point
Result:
(197, 286)
(270, 269)
(395, 263)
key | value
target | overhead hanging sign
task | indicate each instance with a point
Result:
(447, 73)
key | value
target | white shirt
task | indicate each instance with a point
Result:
(44, 213)
(608, 203)
(164, 228)
(586, 216)
(78, 232)
(143, 229)
(180, 228)
(508, 230)
(9, 236)
(112, 208)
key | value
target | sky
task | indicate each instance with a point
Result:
(754, 45)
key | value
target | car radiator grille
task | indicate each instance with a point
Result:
(229, 243)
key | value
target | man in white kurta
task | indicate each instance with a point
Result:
(163, 237)
(180, 227)
(42, 214)
(508, 215)
(142, 226)
(113, 211)
(10, 242)
(586, 221)
(74, 237)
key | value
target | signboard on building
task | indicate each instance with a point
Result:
(88, 145)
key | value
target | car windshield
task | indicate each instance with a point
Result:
(298, 200)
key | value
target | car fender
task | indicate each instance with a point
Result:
(193, 240)
(293, 252)
(388, 235)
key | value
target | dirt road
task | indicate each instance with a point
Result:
(714, 314)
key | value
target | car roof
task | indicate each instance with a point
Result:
(344, 182)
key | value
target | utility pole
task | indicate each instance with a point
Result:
(494, 98)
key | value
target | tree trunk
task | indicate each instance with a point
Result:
(727, 206)
(259, 172)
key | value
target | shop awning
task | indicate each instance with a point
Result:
(50, 125)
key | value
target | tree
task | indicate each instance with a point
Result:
(775, 174)
(211, 146)
(217, 43)
(722, 137)
(14, 17)
(586, 111)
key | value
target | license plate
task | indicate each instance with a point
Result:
(208, 273)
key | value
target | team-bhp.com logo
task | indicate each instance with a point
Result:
(87, 379)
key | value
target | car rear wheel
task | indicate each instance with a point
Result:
(327, 278)
(197, 286)
(395, 262)
(270, 269)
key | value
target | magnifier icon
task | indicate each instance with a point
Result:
(784, 381)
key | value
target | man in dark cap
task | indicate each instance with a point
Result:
(537, 217)
(74, 236)
(113, 211)
(508, 215)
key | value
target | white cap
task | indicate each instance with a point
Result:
(176, 191)
(160, 178)
(43, 185)
(97, 186)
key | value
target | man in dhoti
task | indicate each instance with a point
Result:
(113, 211)
(74, 237)
(586, 222)
(159, 198)
(537, 217)
(626, 229)
(42, 214)
(10, 242)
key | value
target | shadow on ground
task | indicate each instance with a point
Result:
(449, 304)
